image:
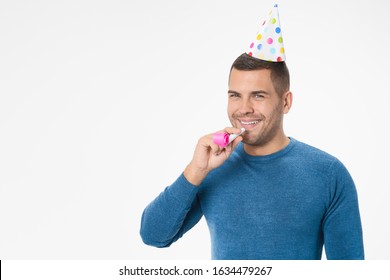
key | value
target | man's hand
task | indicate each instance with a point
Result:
(208, 156)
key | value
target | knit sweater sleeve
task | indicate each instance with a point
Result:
(342, 227)
(171, 214)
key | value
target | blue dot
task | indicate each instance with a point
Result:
(259, 46)
(277, 30)
(272, 50)
(276, 5)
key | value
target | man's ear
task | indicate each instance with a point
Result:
(287, 101)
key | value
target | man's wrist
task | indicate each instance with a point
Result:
(194, 175)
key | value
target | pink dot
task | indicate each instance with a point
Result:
(279, 58)
(270, 41)
(250, 53)
(252, 45)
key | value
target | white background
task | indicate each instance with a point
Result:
(102, 103)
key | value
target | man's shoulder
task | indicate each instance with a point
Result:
(314, 155)
(312, 150)
(316, 160)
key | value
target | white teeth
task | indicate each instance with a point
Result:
(249, 123)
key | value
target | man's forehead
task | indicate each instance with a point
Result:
(251, 81)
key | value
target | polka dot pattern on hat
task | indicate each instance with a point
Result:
(268, 44)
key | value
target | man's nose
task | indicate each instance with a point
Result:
(246, 106)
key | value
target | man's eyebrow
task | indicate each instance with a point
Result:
(259, 91)
(252, 92)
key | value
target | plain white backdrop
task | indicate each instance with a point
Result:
(102, 103)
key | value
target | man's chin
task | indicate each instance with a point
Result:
(250, 141)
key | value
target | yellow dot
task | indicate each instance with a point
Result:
(273, 20)
(259, 36)
(281, 50)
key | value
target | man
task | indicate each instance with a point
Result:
(265, 195)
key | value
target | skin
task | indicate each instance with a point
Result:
(253, 104)
(252, 98)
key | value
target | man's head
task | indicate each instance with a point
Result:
(258, 97)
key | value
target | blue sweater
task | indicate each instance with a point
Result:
(286, 205)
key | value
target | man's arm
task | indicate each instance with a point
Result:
(342, 227)
(176, 210)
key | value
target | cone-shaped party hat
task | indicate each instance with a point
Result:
(268, 44)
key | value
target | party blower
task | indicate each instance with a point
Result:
(223, 139)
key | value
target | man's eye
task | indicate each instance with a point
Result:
(233, 95)
(259, 96)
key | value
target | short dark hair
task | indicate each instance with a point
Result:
(280, 75)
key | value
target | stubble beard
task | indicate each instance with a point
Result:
(270, 127)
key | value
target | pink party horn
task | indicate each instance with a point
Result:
(223, 139)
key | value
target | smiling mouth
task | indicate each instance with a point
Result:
(248, 123)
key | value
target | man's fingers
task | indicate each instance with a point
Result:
(208, 143)
(215, 149)
(236, 142)
(232, 130)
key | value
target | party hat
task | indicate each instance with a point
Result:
(268, 44)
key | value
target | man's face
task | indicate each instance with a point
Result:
(254, 104)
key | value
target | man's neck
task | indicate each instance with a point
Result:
(273, 146)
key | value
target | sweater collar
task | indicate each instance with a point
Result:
(241, 151)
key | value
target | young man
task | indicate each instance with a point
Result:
(265, 195)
